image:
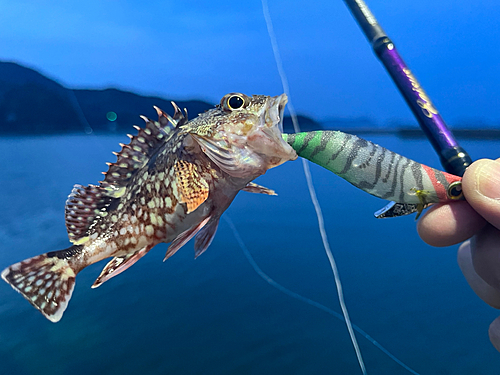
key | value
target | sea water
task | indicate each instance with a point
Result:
(215, 315)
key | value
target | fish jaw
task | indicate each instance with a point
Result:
(248, 142)
(266, 139)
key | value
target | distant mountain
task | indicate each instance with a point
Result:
(31, 103)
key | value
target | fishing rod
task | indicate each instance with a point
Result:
(454, 158)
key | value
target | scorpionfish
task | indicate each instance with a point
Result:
(171, 183)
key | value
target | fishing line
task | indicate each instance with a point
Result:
(309, 301)
(312, 191)
(317, 207)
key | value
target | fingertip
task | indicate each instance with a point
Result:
(485, 291)
(481, 187)
(449, 224)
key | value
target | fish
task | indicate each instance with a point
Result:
(171, 183)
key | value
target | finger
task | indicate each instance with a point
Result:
(481, 187)
(484, 291)
(485, 251)
(494, 333)
(449, 224)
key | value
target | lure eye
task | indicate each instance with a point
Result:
(454, 191)
(235, 102)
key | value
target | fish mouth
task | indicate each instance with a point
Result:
(267, 140)
(274, 111)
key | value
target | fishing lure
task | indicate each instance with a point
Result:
(410, 186)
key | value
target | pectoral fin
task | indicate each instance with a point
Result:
(119, 264)
(192, 187)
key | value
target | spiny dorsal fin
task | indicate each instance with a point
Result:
(192, 187)
(142, 146)
(83, 205)
(166, 120)
(179, 117)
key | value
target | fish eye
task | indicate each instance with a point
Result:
(235, 102)
(454, 191)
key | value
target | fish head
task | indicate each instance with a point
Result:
(242, 135)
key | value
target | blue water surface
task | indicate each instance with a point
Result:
(215, 315)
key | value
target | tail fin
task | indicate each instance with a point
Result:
(46, 281)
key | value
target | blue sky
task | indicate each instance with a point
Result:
(205, 49)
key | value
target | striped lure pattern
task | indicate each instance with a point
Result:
(376, 170)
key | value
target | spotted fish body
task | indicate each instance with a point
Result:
(171, 183)
(376, 170)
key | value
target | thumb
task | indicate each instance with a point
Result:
(481, 187)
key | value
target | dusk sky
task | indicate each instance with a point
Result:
(205, 49)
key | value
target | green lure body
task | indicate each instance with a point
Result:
(377, 171)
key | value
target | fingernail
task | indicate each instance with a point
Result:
(488, 179)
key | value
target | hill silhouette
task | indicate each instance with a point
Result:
(32, 104)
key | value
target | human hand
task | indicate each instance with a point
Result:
(479, 218)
